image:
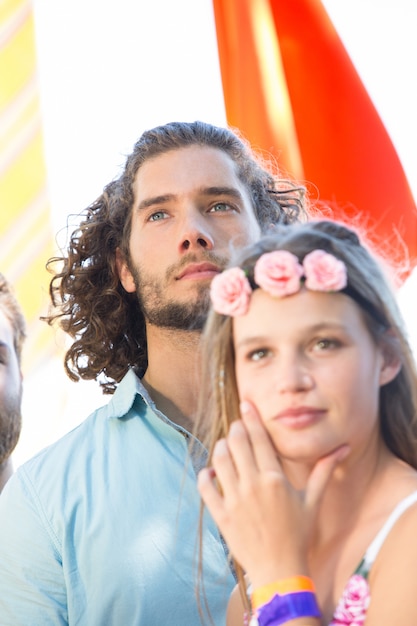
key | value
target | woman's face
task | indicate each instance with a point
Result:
(310, 366)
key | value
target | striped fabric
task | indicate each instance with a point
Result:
(25, 230)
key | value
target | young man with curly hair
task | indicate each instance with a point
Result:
(102, 527)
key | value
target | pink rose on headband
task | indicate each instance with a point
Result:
(230, 292)
(278, 273)
(324, 272)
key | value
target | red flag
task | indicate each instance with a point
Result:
(290, 87)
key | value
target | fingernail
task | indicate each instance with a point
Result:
(244, 407)
(220, 448)
(343, 452)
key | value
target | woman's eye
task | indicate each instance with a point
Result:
(326, 344)
(258, 355)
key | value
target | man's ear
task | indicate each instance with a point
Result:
(391, 364)
(125, 275)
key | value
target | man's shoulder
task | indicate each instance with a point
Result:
(116, 440)
(81, 460)
(70, 448)
(92, 434)
(127, 419)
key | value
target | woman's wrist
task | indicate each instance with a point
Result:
(284, 600)
(294, 584)
(277, 567)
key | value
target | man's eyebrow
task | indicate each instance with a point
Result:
(155, 200)
(232, 192)
(222, 191)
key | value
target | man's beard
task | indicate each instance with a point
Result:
(174, 315)
(164, 313)
(10, 425)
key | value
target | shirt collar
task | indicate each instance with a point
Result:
(129, 388)
(123, 398)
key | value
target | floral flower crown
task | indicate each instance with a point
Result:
(280, 274)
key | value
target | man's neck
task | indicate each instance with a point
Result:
(172, 374)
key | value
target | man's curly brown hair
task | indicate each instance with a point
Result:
(90, 304)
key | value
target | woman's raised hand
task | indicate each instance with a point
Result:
(264, 520)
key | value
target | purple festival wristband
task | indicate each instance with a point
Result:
(281, 609)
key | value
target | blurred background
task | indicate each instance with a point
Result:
(81, 80)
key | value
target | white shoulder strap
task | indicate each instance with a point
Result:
(375, 546)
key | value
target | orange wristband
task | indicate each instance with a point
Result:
(282, 587)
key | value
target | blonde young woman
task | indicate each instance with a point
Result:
(312, 471)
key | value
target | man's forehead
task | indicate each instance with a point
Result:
(191, 162)
(194, 169)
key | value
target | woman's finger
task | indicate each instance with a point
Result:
(212, 498)
(224, 467)
(240, 449)
(263, 449)
(321, 475)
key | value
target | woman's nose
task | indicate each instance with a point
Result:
(293, 376)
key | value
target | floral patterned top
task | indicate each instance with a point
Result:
(353, 605)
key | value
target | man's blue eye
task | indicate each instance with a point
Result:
(220, 206)
(158, 216)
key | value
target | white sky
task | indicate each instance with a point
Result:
(108, 70)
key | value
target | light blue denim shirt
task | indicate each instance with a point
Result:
(101, 528)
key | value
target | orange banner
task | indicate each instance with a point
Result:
(291, 88)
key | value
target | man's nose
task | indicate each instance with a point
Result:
(195, 234)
